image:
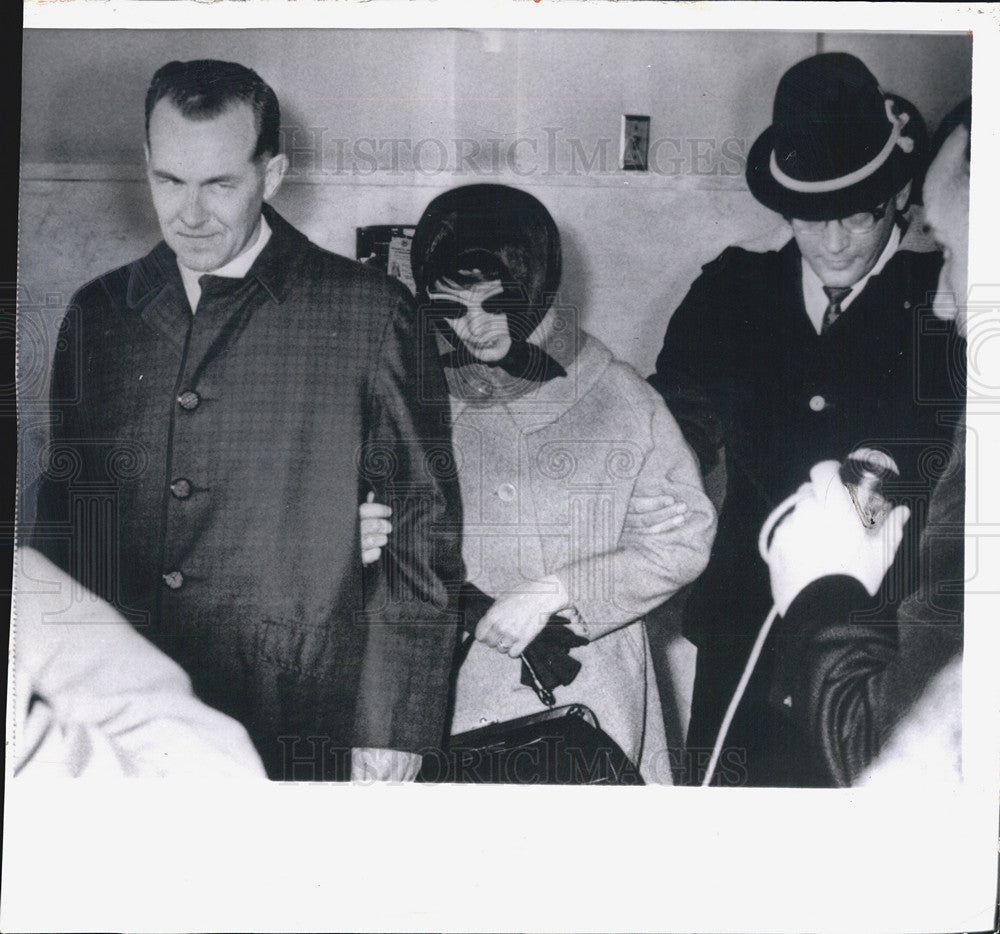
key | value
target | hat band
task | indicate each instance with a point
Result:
(896, 138)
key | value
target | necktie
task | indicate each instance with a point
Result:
(835, 295)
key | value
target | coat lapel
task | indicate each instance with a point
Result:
(156, 291)
(789, 298)
(228, 305)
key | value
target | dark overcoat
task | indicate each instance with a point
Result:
(204, 475)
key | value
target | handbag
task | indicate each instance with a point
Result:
(562, 746)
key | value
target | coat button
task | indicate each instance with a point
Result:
(181, 488)
(189, 400)
(817, 403)
(507, 492)
(174, 580)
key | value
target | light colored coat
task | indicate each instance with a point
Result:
(93, 698)
(546, 481)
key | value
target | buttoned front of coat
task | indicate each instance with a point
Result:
(546, 483)
(218, 461)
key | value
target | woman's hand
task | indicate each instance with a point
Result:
(520, 615)
(375, 528)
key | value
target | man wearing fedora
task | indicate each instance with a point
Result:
(876, 708)
(804, 354)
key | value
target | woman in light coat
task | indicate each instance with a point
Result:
(579, 494)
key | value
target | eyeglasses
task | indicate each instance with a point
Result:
(511, 299)
(862, 222)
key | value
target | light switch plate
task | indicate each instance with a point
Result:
(635, 143)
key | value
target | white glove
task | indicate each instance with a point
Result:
(823, 535)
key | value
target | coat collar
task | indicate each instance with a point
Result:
(272, 268)
(547, 401)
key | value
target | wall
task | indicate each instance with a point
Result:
(378, 122)
(539, 109)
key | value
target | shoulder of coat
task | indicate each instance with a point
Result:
(107, 289)
(620, 379)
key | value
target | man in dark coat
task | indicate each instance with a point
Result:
(851, 684)
(787, 358)
(220, 408)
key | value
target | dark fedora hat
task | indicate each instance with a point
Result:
(837, 145)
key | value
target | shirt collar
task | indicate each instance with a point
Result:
(236, 268)
(812, 286)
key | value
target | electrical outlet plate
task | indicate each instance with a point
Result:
(635, 143)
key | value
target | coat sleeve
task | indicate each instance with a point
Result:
(63, 457)
(97, 698)
(611, 589)
(851, 681)
(694, 367)
(411, 594)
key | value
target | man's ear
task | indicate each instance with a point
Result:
(274, 174)
(903, 197)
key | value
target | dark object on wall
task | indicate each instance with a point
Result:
(635, 143)
(386, 246)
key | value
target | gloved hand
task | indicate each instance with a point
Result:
(823, 535)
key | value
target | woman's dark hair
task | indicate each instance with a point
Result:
(204, 88)
(503, 232)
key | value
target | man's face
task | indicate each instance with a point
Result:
(839, 255)
(207, 190)
(946, 211)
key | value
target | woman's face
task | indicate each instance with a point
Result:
(485, 335)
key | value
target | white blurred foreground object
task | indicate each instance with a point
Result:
(91, 697)
(926, 745)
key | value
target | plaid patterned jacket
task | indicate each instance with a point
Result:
(204, 475)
